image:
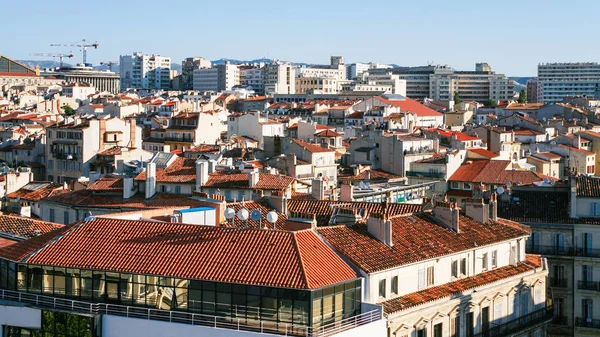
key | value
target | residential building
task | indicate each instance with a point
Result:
(559, 80)
(26, 200)
(279, 78)
(396, 112)
(335, 69)
(187, 70)
(320, 157)
(144, 71)
(317, 85)
(253, 125)
(79, 91)
(206, 79)
(253, 77)
(532, 90)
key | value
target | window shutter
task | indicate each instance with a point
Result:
(422, 279)
(498, 312)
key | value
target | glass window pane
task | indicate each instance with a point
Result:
(86, 284)
(34, 278)
(98, 285)
(59, 281)
(21, 277)
(195, 300)
(316, 311)
(48, 280)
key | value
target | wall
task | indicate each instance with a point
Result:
(20, 316)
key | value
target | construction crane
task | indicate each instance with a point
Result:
(109, 64)
(53, 55)
(83, 44)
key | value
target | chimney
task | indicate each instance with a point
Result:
(150, 180)
(201, 174)
(94, 176)
(447, 214)
(380, 227)
(128, 189)
(279, 201)
(102, 131)
(493, 207)
(477, 210)
(368, 175)
(318, 189)
(253, 178)
(347, 192)
(212, 166)
(132, 132)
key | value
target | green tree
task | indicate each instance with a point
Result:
(68, 110)
(522, 96)
(457, 99)
(490, 103)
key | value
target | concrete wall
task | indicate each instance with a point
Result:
(23, 317)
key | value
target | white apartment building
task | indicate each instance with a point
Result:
(78, 91)
(558, 80)
(187, 70)
(279, 78)
(255, 126)
(253, 77)
(206, 79)
(336, 69)
(317, 85)
(229, 76)
(144, 71)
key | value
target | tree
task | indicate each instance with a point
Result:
(522, 96)
(68, 110)
(490, 103)
(457, 99)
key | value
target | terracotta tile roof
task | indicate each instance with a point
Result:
(588, 186)
(374, 175)
(107, 183)
(266, 181)
(264, 207)
(203, 148)
(302, 196)
(356, 115)
(571, 148)
(6, 242)
(328, 133)
(410, 105)
(293, 127)
(36, 191)
(323, 209)
(449, 133)
(182, 170)
(495, 172)
(298, 260)
(484, 153)
(314, 148)
(524, 106)
(255, 98)
(87, 199)
(416, 238)
(115, 150)
(446, 290)
(25, 227)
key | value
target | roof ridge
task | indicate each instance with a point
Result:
(301, 260)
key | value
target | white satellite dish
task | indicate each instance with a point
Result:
(229, 213)
(272, 217)
(552, 182)
(500, 190)
(362, 185)
(241, 167)
(546, 180)
(368, 186)
(243, 214)
(169, 188)
(256, 215)
(518, 183)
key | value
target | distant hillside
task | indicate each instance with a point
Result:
(221, 61)
(43, 64)
(521, 80)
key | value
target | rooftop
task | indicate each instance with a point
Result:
(266, 181)
(182, 170)
(25, 227)
(37, 190)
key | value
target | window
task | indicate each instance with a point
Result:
(454, 268)
(466, 186)
(587, 309)
(587, 273)
(559, 242)
(430, 276)
(50, 164)
(382, 288)
(484, 261)
(437, 330)
(177, 189)
(422, 332)
(66, 217)
(485, 319)
(470, 324)
(395, 285)
(51, 215)
(586, 243)
(534, 241)
(455, 185)
(494, 259)
(422, 279)
(455, 327)
(463, 267)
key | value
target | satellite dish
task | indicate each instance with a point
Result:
(256, 215)
(500, 190)
(368, 186)
(546, 180)
(508, 183)
(243, 214)
(272, 217)
(552, 182)
(362, 185)
(241, 167)
(229, 213)
(518, 183)
(169, 188)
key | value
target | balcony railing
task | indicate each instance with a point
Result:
(64, 155)
(587, 252)
(560, 320)
(587, 285)
(520, 324)
(221, 322)
(558, 282)
(437, 175)
(550, 250)
(587, 323)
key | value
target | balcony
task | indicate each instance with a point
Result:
(550, 250)
(558, 282)
(436, 175)
(220, 322)
(587, 323)
(64, 155)
(560, 320)
(520, 324)
(587, 252)
(180, 140)
(587, 285)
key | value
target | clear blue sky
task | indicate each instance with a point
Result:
(512, 36)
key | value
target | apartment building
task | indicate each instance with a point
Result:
(559, 80)
(253, 77)
(71, 146)
(253, 125)
(144, 71)
(564, 223)
(317, 85)
(188, 129)
(187, 70)
(279, 78)
(206, 79)
(532, 90)
(468, 276)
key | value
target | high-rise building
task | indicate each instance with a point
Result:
(218, 78)
(280, 78)
(253, 77)
(143, 71)
(187, 70)
(559, 80)
(532, 88)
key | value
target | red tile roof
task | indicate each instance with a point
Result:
(588, 186)
(416, 238)
(314, 148)
(87, 199)
(25, 227)
(115, 150)
(356, 115)
(484, 153)
(328, 133)
(182, 170)
(107, 183)
(374, 175)
(298, 260)
(495, 172)
(264, 207)
(34, 192)
(531, 263)
(266, 181)
(410, 105)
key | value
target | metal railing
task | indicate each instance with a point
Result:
(587, 285)
(519, 324)
(587, 323)
(223, 322)
(587, 252)
(558, 282)
(437, 175)
(550, 250)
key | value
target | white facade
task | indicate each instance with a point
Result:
(254, 77)
(279, 78)
(254, 126)
(206, 79)
(558, 80)
(143, 71)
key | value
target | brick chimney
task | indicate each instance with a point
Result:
(493, 207)
(278, 200)
(201, 174)
(447, 214)
(477, 210)
(150, 180)
(380, 227)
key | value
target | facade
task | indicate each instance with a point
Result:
(101, 80)
(187, 70)
(559, 80)
(144, 71)
(206, 79)
(279, 78)
(253, 77)
(532, 90)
